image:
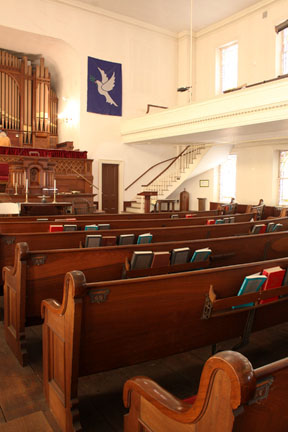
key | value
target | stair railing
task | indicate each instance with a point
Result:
(173, 171)
(149, 169)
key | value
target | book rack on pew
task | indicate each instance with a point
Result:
(220, 307)
(176, 268)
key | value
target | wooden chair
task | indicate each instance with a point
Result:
(232, 396)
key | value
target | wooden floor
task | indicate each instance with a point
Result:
(100, 395)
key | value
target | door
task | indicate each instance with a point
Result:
(110, 188)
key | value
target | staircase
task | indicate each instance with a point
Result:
(171, 177)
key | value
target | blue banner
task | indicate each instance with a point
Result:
(104, 90)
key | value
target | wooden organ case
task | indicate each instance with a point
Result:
(28, 105)
(29, 117)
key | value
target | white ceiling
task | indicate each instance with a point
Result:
(174, 15)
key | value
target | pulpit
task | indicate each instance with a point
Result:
(147, 196)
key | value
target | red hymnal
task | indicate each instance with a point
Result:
(275, 276)
(53, 228)
(210, 221)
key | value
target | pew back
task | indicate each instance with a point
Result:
(65, 240)
(43, 226)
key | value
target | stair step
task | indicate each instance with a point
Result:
(132, 210)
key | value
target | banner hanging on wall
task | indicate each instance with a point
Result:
(104, 90)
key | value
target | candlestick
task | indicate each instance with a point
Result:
(16, 189)
(26, 194)
(54, 201)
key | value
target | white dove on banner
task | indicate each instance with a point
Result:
(105, 86)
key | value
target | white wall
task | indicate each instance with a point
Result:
(257, 172)
(257, 47)
(149, 68)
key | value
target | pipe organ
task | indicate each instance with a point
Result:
(28, 105)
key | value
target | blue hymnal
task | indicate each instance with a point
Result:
(200, 255)
(250, 285)
(91, 227)
(144, 238)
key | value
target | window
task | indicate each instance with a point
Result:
(284, 51)
(283, 178)
(228, 67)
(227, 179)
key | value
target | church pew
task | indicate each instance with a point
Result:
(268, 211)
(66, 240)
(232, 397)
(43, 226)
(104, 325)
(113, 216)
(37, 275)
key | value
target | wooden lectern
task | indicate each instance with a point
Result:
(147, 195)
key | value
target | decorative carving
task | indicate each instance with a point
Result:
(262, 389)
(98, 295)
(208, 306)
(9, 240)
(38, 260)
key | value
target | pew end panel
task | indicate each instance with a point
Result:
(151, 408)
(61, 335)
(15, 303)
(232, 397)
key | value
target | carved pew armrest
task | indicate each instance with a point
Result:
(225, 367)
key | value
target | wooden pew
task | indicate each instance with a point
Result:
(65, 240)
(232, 396)
(268, 211)
(43, 226)
(104, 325)
(37, 275)
(113, 216)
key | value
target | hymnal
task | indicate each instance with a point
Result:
(126, 239)
(200, 255)
(258, 229)
(160, 259)
(141, 260)
(278, 227)
(210, 221)
(275, 276)
(54, 228)
(144, 238)
(93, 240)
(270, 227)
(219, 221)
(180, 255)
(251, 284)
(93, 227)
(103, 226)
(69, 227)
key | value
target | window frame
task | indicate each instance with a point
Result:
(220, 88)
(281, 200)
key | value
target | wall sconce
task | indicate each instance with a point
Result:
(70, 114)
